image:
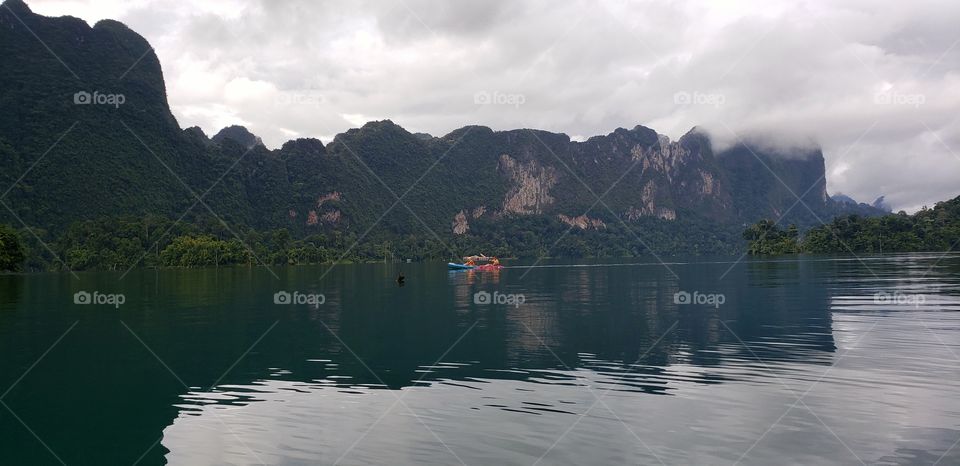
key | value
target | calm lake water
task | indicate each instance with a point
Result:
(810, 361)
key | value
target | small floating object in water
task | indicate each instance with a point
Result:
(401, 279)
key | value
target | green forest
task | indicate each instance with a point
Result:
(122, 243)
(936, 229)
(11, 250)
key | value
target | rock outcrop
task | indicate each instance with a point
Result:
(532, 182)
(582, 222)
(460, 224)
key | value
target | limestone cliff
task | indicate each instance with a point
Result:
(532, 183)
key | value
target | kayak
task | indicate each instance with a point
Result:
(454, 266)
(488, 267)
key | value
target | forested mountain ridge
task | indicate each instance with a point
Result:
(87, 133)
(936, 229)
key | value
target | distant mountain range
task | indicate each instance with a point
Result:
(87, 124)
(879, 203)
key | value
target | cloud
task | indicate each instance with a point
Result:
(875, 84)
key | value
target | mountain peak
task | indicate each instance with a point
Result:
(305, 146)
(17, 6)
(124, 34)
(380, 128)
(196, 130)
(843, 199)
(882, 204)
(238, 134)
(388, 125)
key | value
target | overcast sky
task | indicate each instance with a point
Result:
(875, 83)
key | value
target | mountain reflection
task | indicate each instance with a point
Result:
(617, 326)
(613, 320)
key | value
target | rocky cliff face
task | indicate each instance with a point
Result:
(582, 222)
(460, 224)
(133, 159)
(532, 184)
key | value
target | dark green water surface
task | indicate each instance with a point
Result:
(809, 361)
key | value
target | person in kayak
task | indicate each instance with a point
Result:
(494, 261)
(470, 262)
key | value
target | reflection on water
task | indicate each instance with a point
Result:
(820, 360)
